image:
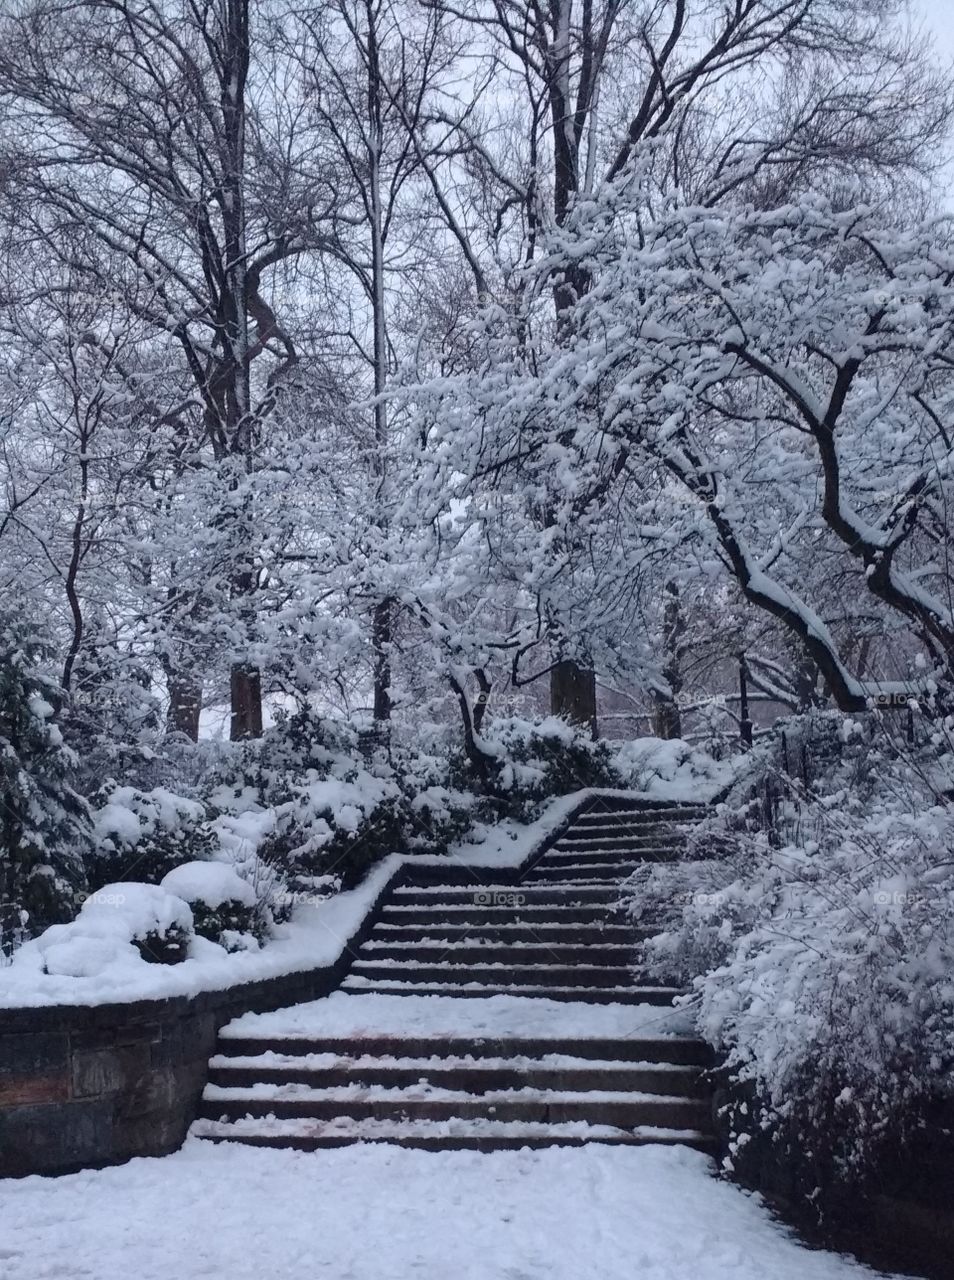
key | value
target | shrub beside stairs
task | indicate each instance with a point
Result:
(556, 934)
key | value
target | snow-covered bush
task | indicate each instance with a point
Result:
(297, 747)
(321, 813)
(822, 966)
(44, 824)
(334, 828)
(142, 835)
(119, 926)
(436, 812)
(159, 924)
(223, 904)
(440, 816)
(669, 764)
(534, 761)
(338, 809)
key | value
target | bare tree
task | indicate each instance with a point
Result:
(133, 120)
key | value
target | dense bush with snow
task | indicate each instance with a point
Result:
(142, 835)
(223, 904)
(333, 804)
(821, 956)
(671, 766)
(327, 814)
(44, 822)
(118, 926)
(533, 761)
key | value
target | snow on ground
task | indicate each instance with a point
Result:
(378, 1212)
(493, 1017)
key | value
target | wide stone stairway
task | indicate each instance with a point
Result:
(627, 1073)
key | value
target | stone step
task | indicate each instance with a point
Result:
(498, 953)
(466, 1074)
(628, 831)
(545, 914)
(557, 935)
(642, 817)
(618, 1110)
(354, 984)
(481, 1135)
(610, 846)
(598, 933)
(437, 897)
(582, 871)
(670, 1049)
(625, 864)
(522, 975)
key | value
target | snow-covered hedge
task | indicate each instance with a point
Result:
(118, 927)
(822, 965)
(335, 826)
(224, 905)
(143, 835)
(672, 767)
(336, 806)
(44, 823)
(533, 761)
(310, 806)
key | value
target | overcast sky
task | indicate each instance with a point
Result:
(940, 15)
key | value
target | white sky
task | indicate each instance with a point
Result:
(939, 15)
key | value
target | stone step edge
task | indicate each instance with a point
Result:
(609, 1048)
(384, 1130)
(463, 1062)
(303, 1093)
(624, 996)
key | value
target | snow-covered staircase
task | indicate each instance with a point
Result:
(556, 935)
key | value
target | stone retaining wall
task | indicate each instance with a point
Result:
(84, 1086)
(899, 1219)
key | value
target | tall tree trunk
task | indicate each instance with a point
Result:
(483, 763)
(382, 625)
(246, 697)
(573, 694)
(381, 628)
(806, 681)
(245, 683)
(572, 687)
(185, 704)
(667, 717)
